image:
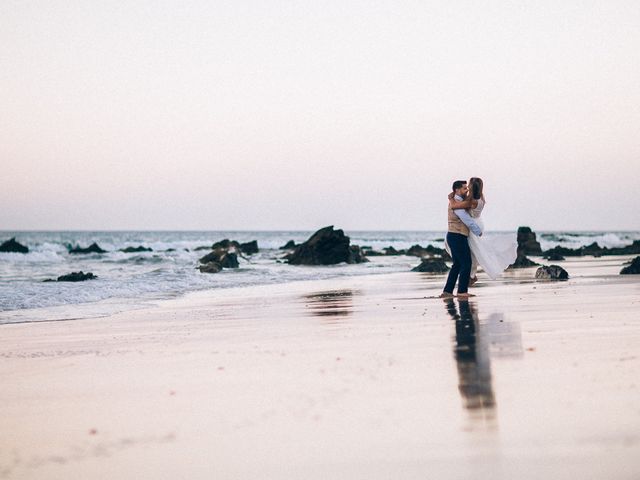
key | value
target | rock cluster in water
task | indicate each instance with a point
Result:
(248, 248)
(12, 245)
(224, 254)
(225, 257)
(326, 247)
(93, 248)
(593, 249)
(218, 259)
(74, 277)
(527, 244)
(136, 249)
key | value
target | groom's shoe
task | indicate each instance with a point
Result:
(446, 295)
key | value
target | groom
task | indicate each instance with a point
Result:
(457, 238)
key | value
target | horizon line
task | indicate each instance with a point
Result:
(120, 230)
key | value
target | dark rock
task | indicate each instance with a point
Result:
(357, 255)
(431, 265)
(210, 267)
(226, 244)
(393, 252)
(563, 252)
(250, 247)
(527, 243)
(523, 262)
(417, 251)
(197, 249)
(77, 277)
(290, 245)
(593, 249)
(136, 249)
(633, 249)
(552, 272)
(633, 268)
(93, 248)
(553, 256)
(229, 260)
(13, 246)
(325, 247)
(431, 250)
(171, 250)
(223, 257)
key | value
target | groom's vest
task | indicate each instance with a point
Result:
(456, 225)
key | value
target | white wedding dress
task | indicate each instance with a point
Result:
(495, 253)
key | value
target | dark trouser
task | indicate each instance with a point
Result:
(459, 245)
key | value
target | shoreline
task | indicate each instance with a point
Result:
(609, 265)
(141, 268)
(358, 377)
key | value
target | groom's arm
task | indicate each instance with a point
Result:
(468, 221)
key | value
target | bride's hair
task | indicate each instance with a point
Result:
(475, 187)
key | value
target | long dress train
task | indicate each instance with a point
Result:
(494, 254)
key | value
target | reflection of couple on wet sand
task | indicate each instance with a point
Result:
(465, 243)
(472, 359)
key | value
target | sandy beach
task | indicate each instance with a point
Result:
(365, 377)
(224, 228)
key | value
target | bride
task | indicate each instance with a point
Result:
(493, 254)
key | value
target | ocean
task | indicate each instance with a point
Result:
(133, 280)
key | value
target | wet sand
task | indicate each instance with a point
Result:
(358, 378)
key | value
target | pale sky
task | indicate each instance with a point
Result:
(298, 114)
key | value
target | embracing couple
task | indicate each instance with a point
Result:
(465, 243)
